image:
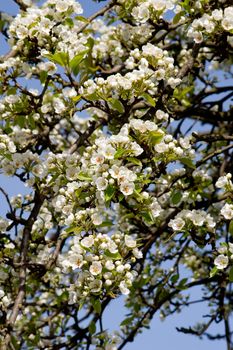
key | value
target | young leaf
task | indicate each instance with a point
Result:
(176, 197)
(83, 177)
(213, 271)
(115, 256)
(61, 58)
(109, 193)
(97, 306)
(127, 321)
(116, 105)
(76, 60)
(230, 228)
(188, 162)
(155, 137)
(92, 327)
(149, 99)
(231, 274)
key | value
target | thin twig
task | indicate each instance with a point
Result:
(97, 14)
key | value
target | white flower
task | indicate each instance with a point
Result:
(9, 246)
(62, 6)
(217, 15)
(197, 218)
(126, 175)
(120, 268)
(177, 224)
(137, 253)
(123, 288)
(109, 265)
(38, 170)
(230, 247)
(161, 147)
(222, 181)
(130, 242)
(73, 260)
(97, 159)
(160, 115)
(221, 262)
(141, 13)
(110, 347)
(95, 286)
(58, 105)
(3, 225)
(87, 242)
(155, 208)
(77, 8)
(108, 152)
(227, 22)
(96, 219)
(227, 211)
(138, 124)
(95, 268)
(1, 293)
(101, 183)
(127, 188)
(112, 247)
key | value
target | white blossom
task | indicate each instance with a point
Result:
(221, 261)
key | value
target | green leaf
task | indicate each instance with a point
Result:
(213, 271)
(76, 60)
(155, 137)
(97, 306)
(176, 197)
(127, 321)
(61, 58)
(185, 4)
(76, 98)
(43, 77)
(114, 256)
(230, 228)
(175, 278)
(31, 122)
(20, 120)
(83, 177)
(81, 304)
(138, 196)
(69, 22)
(15, 343)
(149, 99)
(109, 193)
(92, 97)
(75, 229)
(134, 161)
(231, 274)
(81, 19)
(188, 162)
(147, 216)
(121, 152)
(177, 17)
(116, 105)
(90, 42)
(92, 327)
(182, 284)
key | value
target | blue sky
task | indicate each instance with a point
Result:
(162, 335)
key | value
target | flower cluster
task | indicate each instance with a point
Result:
(207, 24)
(227, 211)
(42, 23)
(225, 183)
(225, 255)
(102, 263)
(150, 9)
(149, 66)
(198, 218)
